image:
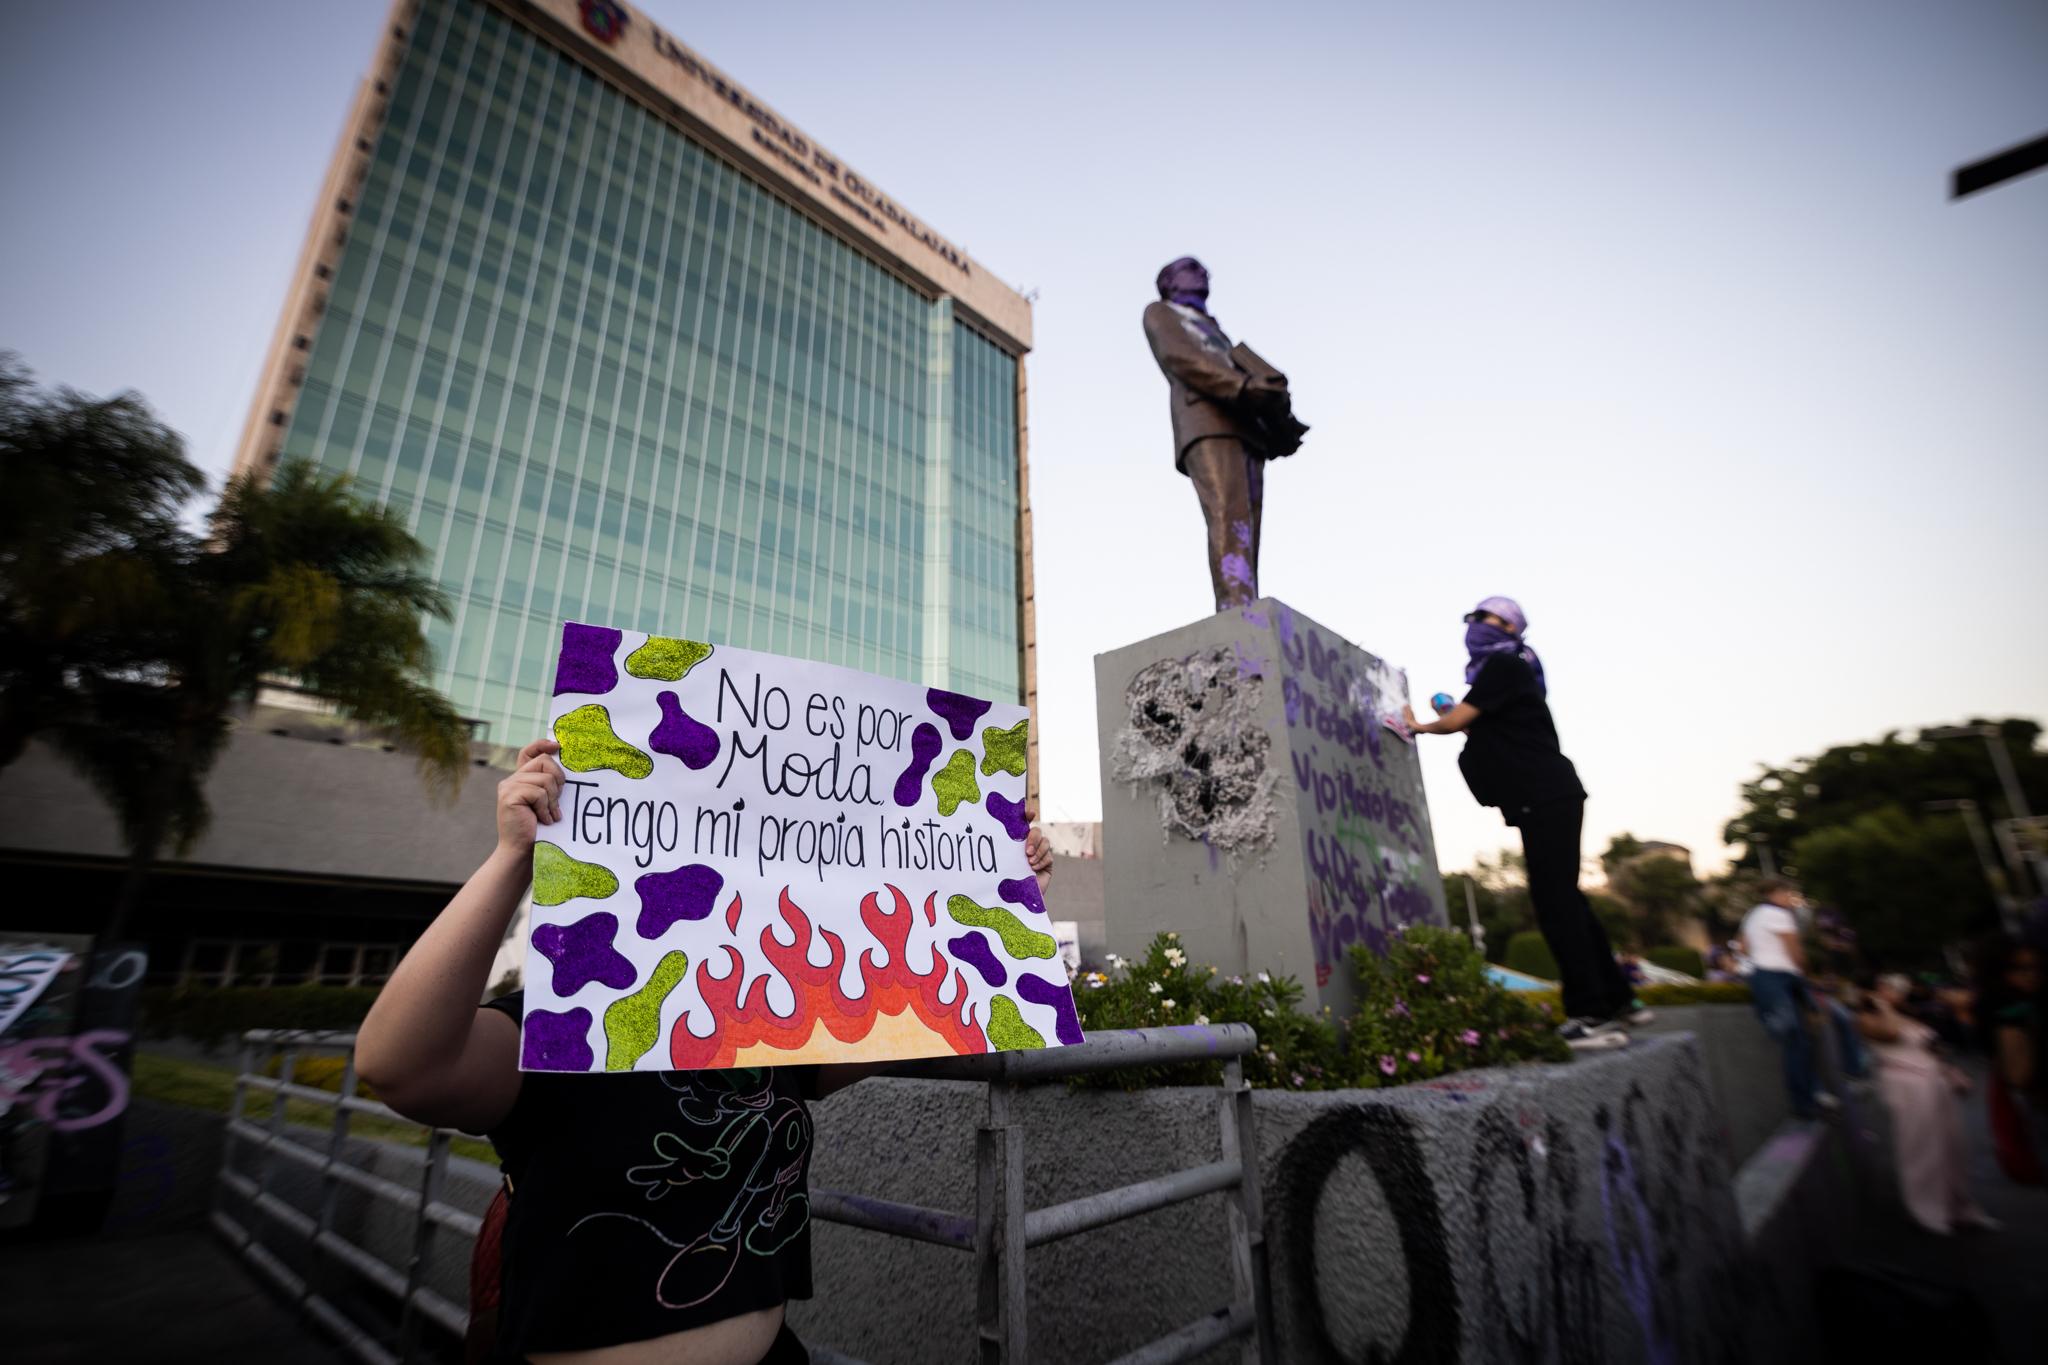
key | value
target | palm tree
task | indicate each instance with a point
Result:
(94, 491)
(299, 581)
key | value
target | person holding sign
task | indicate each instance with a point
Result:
(1512, 760)
(652, 1215)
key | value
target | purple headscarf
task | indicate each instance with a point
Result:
(1483, 638)
(1185, 281)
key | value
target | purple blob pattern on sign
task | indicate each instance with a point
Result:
(1010, 814)
(682, 735)
(925, 745)
(556, 1040)
(582, 953)
(1022, 891)
(586, 663)
(957, 711)
(1039, 991)
(973, 949)
(688, 893)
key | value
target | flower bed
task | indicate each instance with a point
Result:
(1426, 1008)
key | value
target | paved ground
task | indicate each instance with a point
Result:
(2007, 1270)
(151, 1300)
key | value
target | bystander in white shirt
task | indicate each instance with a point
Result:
(1761, 929)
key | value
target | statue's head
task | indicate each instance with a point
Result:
(1184, 281)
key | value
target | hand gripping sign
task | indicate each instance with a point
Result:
(764, 861)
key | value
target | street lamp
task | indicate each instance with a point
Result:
(2008, 779)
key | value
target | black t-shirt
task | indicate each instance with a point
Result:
(651, 1203)
(1511, 757)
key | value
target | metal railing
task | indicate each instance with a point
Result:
(998, 1234)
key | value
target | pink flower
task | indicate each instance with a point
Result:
(1414, 1056)
(1297, 1078)
(1400, 1010)
(1470, 1037)
(1423, 977)
(1503, 1033)
(1387, 1066)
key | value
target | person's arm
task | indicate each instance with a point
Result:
(1187, 360)
(426, 1048)
(839, 1075)
(1878, 1023)
(1449, 723)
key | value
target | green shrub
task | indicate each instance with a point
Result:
(1426, 1007)
(1530, 955)
(210, 1015)
(1297, 1051)
(1677, 959)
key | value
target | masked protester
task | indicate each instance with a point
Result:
(1512, 760)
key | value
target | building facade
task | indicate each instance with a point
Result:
(624, 346)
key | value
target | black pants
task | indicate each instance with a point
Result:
(1592, 980)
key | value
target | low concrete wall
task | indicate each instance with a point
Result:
(1744, 1069)
(1539, 1213)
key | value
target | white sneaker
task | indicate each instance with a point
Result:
(1592, 1034)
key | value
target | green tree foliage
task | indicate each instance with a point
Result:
(1661, 891)
(1781, 806)
(130, 644)
(1620, 922)
(1530, 955)
(88, 549)
(1907, 885)
(1677, 959)
(1620, 849)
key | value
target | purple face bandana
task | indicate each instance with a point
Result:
(1185, 282)
(1483, 638)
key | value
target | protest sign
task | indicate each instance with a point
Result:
(763, 861)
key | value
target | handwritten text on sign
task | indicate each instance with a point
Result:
(763, 861)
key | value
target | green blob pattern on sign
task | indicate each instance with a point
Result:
(1003, 750)
(1006, 1026)
(955, 782)
(1018, 940)
(665, 659)
(589, 745)
(632, 1023)
(557, 877)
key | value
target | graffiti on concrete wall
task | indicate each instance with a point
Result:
(1521, 1231)
(1193, 737)
(1364, 823)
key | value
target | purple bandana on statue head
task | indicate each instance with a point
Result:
(1185, 282)
(1484, 639)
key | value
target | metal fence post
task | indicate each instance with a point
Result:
(287, 1063)
(245, 1063)
(990, 1145)
(330, 1184)
(1249, 1270)
(1015, 1316)
(433, 1179)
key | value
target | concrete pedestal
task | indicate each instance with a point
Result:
(1253, 802)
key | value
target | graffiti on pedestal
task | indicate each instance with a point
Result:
(1194, 738)
(1364, 822)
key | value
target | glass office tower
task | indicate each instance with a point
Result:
(625, 348)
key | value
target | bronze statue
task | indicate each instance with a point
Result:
(1231, 413)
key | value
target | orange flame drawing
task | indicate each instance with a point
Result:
(930, 1028)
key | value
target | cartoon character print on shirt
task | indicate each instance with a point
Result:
(750, 1145)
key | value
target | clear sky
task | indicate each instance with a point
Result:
(1655, 317)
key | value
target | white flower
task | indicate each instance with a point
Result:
(1176, 957)
(1170, 934)
(1202, 1019)
(1212, 971)
(1154, 987)
(1166, 1004)
(1114, 960)
(1269, 1010)
(1264, 979)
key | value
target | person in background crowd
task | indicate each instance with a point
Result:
(1777, 990)
(2008, 1016)
(1920, 1090)
(1512, 760)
